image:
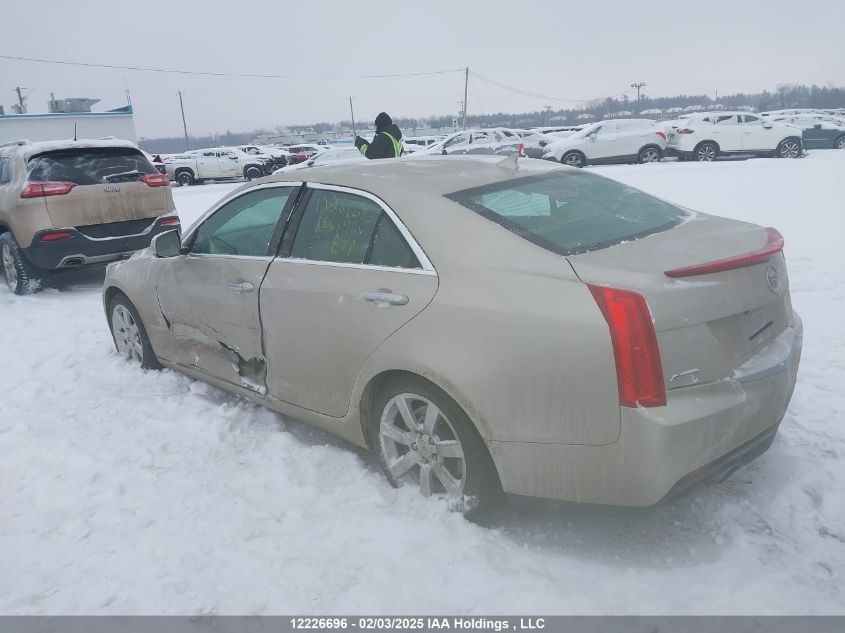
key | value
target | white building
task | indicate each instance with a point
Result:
(67, 125)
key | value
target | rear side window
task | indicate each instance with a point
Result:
(569, 213)
(90, 165)
(349, 229)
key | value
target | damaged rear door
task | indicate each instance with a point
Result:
(209, 294)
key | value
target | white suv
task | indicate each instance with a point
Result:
(613, 141)
(705, 136)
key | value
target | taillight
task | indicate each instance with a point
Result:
(686, 130)
(55, 235)
(521, 149)
(169, 221)
(639, 370)
(773, 245)
(156, 180)
(49, 188)
(661, 135)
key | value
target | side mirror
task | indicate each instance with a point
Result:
(818, 126)
(167, 244)
(767, 125)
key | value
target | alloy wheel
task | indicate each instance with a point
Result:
(790, 149)
(10, 270)
(650, 156)
(706, 153)
(127, 336)
(573, 160)
(420, 446)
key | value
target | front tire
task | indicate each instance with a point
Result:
(130, 335)
(706, 152)
(424, 439)
(21, 278)
(649, 155)
(573, 159)
(839, 143)
(789, 148)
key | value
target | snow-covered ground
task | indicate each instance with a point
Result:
(124, 491)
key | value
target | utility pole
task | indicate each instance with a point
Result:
(466, 86)
(21, 99)
(352, 112)
(638, 85)
(184, 125)
(548, 116)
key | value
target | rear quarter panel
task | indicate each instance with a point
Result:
(512, 335)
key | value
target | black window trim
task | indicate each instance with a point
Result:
(461, 198)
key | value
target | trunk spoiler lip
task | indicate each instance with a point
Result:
(773, 245)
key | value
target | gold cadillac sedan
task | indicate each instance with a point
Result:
(484, 325)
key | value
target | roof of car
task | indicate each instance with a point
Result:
(435, 175)
(30, 148)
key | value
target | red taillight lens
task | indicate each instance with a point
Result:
(50, 188)
(685, 130)
(774, 244)
(661, 135)
(521, 149)
(171, 221)
(156, 180)
(639, 370)
(56, 235)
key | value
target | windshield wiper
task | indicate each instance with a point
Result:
(124, 176)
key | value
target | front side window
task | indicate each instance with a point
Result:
(346, 228)
(243, 226)
(570, 213)
(747, 118)
(460, 139)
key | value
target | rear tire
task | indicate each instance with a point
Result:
(439, 451)
(129, 334)
(707, 152)
(21, 278)
(252, 172)
(573, 159)
(649, 155)
(839, 143)
(789, 148)
(185, 178)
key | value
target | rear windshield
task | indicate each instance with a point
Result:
(571, 212)
(90, 165)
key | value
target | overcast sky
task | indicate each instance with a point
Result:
(568, 50)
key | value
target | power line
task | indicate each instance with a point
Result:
(224, 74)
(536, 95)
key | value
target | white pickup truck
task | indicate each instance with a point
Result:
(216, 164)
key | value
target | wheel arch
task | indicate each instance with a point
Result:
(574, 151)
(650, 146)
(711, 142)
(379, 380)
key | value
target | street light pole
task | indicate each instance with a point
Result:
(638, 85)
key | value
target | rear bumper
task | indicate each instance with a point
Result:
(80, 250)
(704, 431)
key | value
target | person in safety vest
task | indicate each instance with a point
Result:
(387, 143)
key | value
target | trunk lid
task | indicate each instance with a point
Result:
(709, 326)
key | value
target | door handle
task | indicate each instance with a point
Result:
(385, 297)
(246, 286)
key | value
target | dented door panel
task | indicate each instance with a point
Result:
(210, 303)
